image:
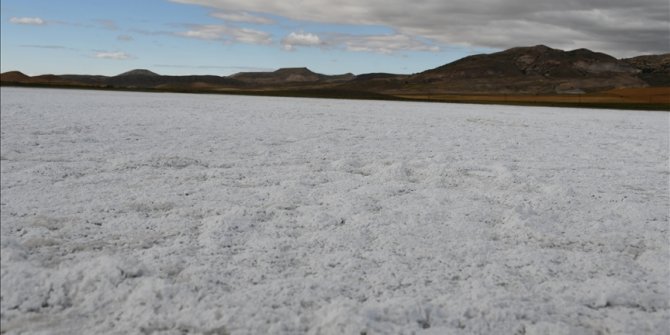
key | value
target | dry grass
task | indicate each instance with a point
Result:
(654, 95)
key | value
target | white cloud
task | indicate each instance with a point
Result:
(35, 21)
(364, 43)
(210, 32)
(385, 43)
(303, 39)
(118, 55)
(242, 17)
(615, 26)
(227, 34)
(251, 36)
(43, 46)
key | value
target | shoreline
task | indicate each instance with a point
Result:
(591, 100)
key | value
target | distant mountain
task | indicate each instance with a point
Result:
(298, 75)
(138, 73)
(14, 76)
(517, 71)
(376, 82)
(19, 77)
(86, 80)
(528, 70)
(145, 79)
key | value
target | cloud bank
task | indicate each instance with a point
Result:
(226, 34)
(118, 55)
(304, 39)
(384, 44)
(621, 27)
(34, 21)
(243, 17)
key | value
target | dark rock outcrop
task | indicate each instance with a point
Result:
(654, 69)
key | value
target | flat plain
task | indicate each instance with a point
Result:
(171, 213)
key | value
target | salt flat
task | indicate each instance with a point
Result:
(174, 213)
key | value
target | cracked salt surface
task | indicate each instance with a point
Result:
(172, 213)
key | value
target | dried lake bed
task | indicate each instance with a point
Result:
(173, 213)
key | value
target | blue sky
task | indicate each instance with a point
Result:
(223, 37)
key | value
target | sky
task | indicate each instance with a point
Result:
(223, 37)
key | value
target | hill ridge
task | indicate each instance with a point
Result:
(138, 72)
(537, 69)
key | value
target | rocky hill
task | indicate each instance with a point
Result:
(134, 79)
(528, 70)
(517, 71)
(14, 76)
(298, 75)
(654, 69)
(20, 77)
(139, 73)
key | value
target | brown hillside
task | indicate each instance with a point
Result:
(529, 70)
(14, 76)
(654, 69)
(292, 76)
